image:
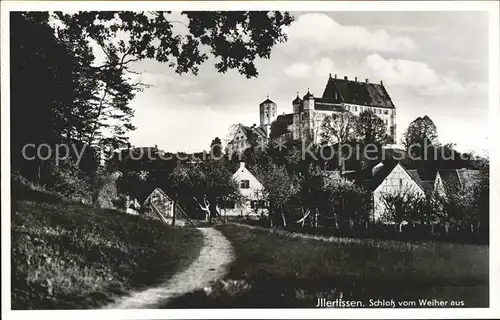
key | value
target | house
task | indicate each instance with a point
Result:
(159, 203)
(448, 180)
(251, 205)
(390, 178)
(245, 137)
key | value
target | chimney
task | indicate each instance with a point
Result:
(345, 77)
(366, 80)
(242, 164)
(335, 76)
(381, 83)
(356, 79)
(330, 75)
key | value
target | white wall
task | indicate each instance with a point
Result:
(255, 187)
(397, 180)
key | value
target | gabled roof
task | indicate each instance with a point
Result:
(249, 131)
(156, 190)
(458, 178)
(357, 92)
(450, 178)
(244, 167)
(468, 177)
(373, 182)
(386, 168)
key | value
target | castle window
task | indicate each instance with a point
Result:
(245, 184)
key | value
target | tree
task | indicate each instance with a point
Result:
(370, 128)
(278, 190)
(418, 130)
(310, 195)
(216, 148)
(338, 128)
(209, 184)
(344, 202)
(481, 192)
(402, 205)
(73, 98)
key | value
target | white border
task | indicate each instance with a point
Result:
(494, 84)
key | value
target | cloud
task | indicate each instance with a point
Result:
(298, 70)
(321, 31)
(418, 74)
(304, 70)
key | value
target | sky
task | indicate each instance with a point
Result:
(431, 63)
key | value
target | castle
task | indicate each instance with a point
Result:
(339, 96)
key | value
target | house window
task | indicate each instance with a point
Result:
(245, 184)
(386, 111)
(253, 204)
(385, 121)
(355, 108)
(400, 183)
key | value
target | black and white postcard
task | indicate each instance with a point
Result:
(250, 159)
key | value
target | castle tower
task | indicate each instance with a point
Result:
(268, 111)
(297, 104)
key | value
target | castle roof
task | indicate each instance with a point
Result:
(297, 100)
(267, 101)
(307, 95)
(357, 92)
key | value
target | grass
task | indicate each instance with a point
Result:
(293, 271)
(70, 256)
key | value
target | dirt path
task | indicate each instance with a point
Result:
(211, 264)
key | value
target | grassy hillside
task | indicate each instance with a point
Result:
(72, 256)
(274, 270)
